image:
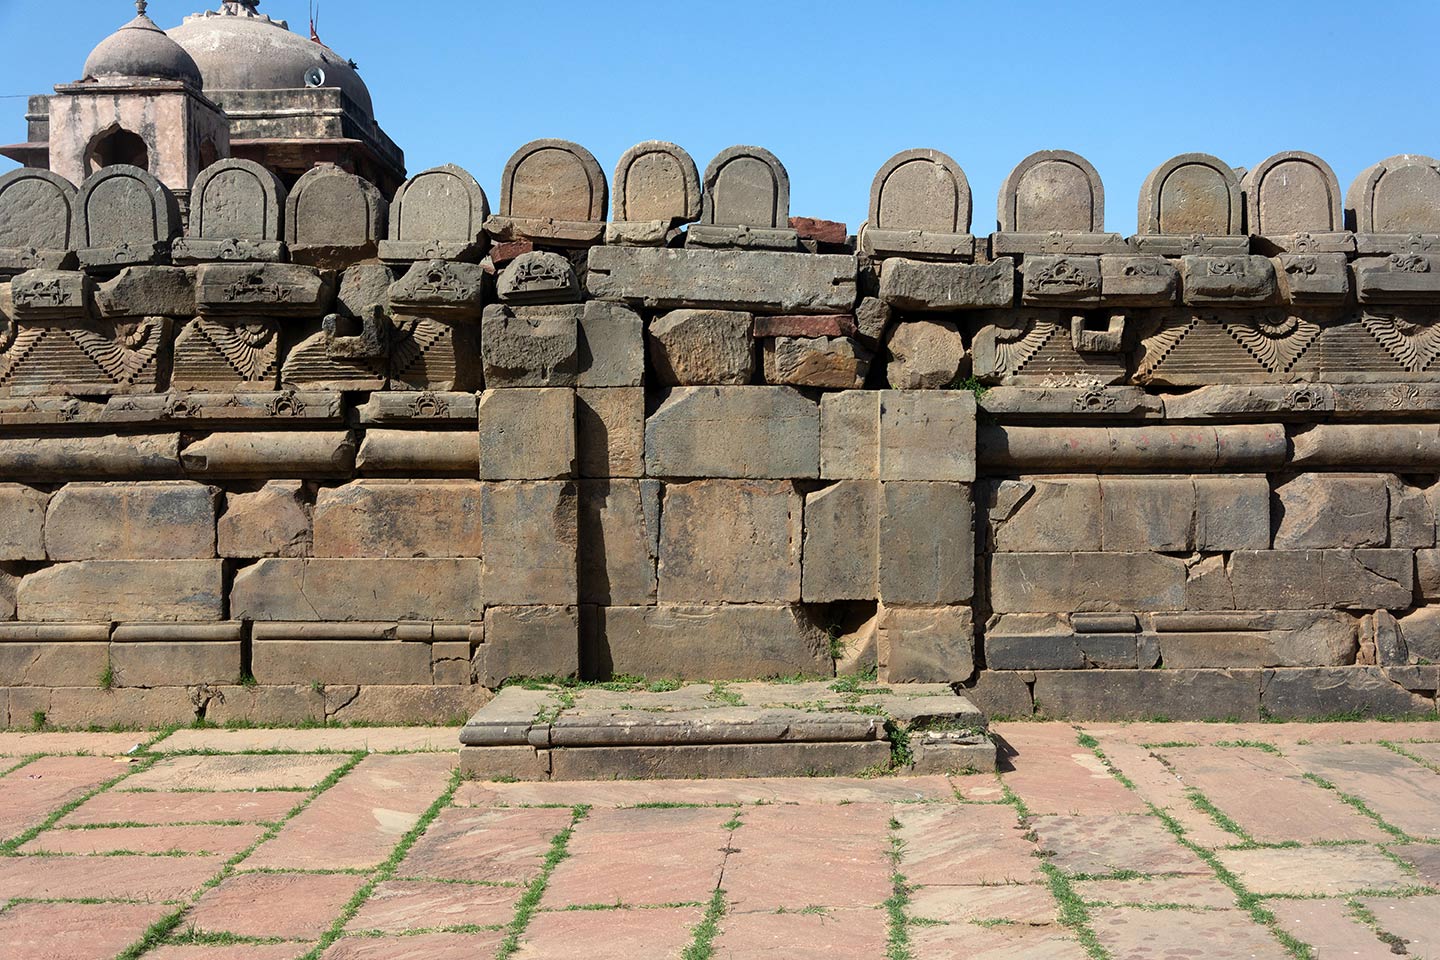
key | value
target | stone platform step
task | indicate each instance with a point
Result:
(628, 731)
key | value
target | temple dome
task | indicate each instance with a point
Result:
(238, 48)
(140, 49)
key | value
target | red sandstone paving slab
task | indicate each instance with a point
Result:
(504, 846)
(1109, 844)
(250, 806)
(863, 824)
(236, 951)
(98, 744)
(356, 823)
(1279, 734)
(1424, 857)
(1416, 920)
(979, 787)
(291, 906)
(1157, 784)
(244, 772)
(208, 839)
(350, 739)
(1328, 927)
(1429, 753)
(1311, 871)
(1400, 790)
(73, 931)
(29, 795)
(1016, 903)
(1268, 797)
(994, 943)
(625, 793)
(426, 946)
(1130, 933)
(834, 935)
(642, 857)
(102, 878)
(609, 934)
(396, 906)
(1052, 773)
(767, 872)
(964, 844)
(1199, 893)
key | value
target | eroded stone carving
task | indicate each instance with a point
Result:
(438, 214)
(1394, 205)
(37, 211)
(123, 217)
(334, 218)
(919, 207)
(236, 207)
(1293, 201)
(1054, 202)
(552, 191)
(657, 188)
(538, 277)
(440, 287)
(746, 202)
(1190, 204)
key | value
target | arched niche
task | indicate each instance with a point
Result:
(1052, 191)
(236, 199)
(1292, 193)
(1192, 194)
(746, 186)
(37, 210)
(438, 214)
(657, 181)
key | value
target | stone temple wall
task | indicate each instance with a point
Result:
(329, 456)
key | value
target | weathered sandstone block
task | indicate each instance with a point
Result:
(527, 434)
(619, 540)
(438, 288)
(926, 644)
(172, 520)
(538, 277)
(1147, 513)
(919, 285)
(399, 518)
(850, 435)
(72, 663)
(1148, 449)
(422, 452)
(696, 347)
(743, 432)
(82, 458)
(731, 541)
(840, 561)
(610, 431)
(1232, 513)
(530, 531)
(325, 453)
(1231, 280)
(1287, 638)
(340, 662)
(22, 522)
(611, 346)
(1065, 582)
(1308, 579)
(924, 354)
(729, 642)
(182, 662)
(927, 435)
(148, 292)
(833, 363)
(267, 289)
(530, 346)
(364, 590)
(927, 544)
(1148, 694)
(1420, 631)
(1035, 514)
(274, 521)
(1320, 692)
(529, 642)
(725, 279)
(182, 591)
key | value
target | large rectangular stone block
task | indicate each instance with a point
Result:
(927, 544)
(1147, 513)
(164, 520)
(527, 433)
(363, 590)
(22, 522)
(611, 347)
(850, 435)
(175, 663)
(1332, 510)
(1310, 579)
(1326, 691)
(740, 279)
(740, 432)
(1040, 514)
(731, 541)
(340, 662)
(610, 432)
(1066, 582)
(842, 527)
(695, 642)
(1148, 694)
(41, 663)
(530, 530)
(926, 644)
(920, 285)
(1232, 513)
(619, 540)
(399, 518)
(927, 435)
(529, 642)
(160, 590)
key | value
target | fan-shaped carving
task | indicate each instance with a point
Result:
(124, 356)
(250, 349)
(1156, 347)
(1014, 346)
(1413, 345)
(1275, 344)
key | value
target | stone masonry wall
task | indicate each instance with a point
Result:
(332, 455)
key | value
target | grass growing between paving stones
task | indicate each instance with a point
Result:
(525, 908)
(12, 846)
(1359, 805)
(1397, 748)
(1251, 903)
(702, 947)
(898, 903)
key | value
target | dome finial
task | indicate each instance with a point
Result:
(140, 6)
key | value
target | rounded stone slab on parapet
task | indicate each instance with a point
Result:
(919, 207)
(1190, 204)
(552, 191)
(657, 181)
(123, 217)
(236, 209)
(438, 214)
(334, 218)
(746, 203)
(1394, 205)
(37, 211)
(1053, 202)
(1292, 199)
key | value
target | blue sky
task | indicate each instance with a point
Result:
(835, 88)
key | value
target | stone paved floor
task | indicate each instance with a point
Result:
(1140, 841)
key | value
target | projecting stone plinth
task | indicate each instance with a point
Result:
(635, 730)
